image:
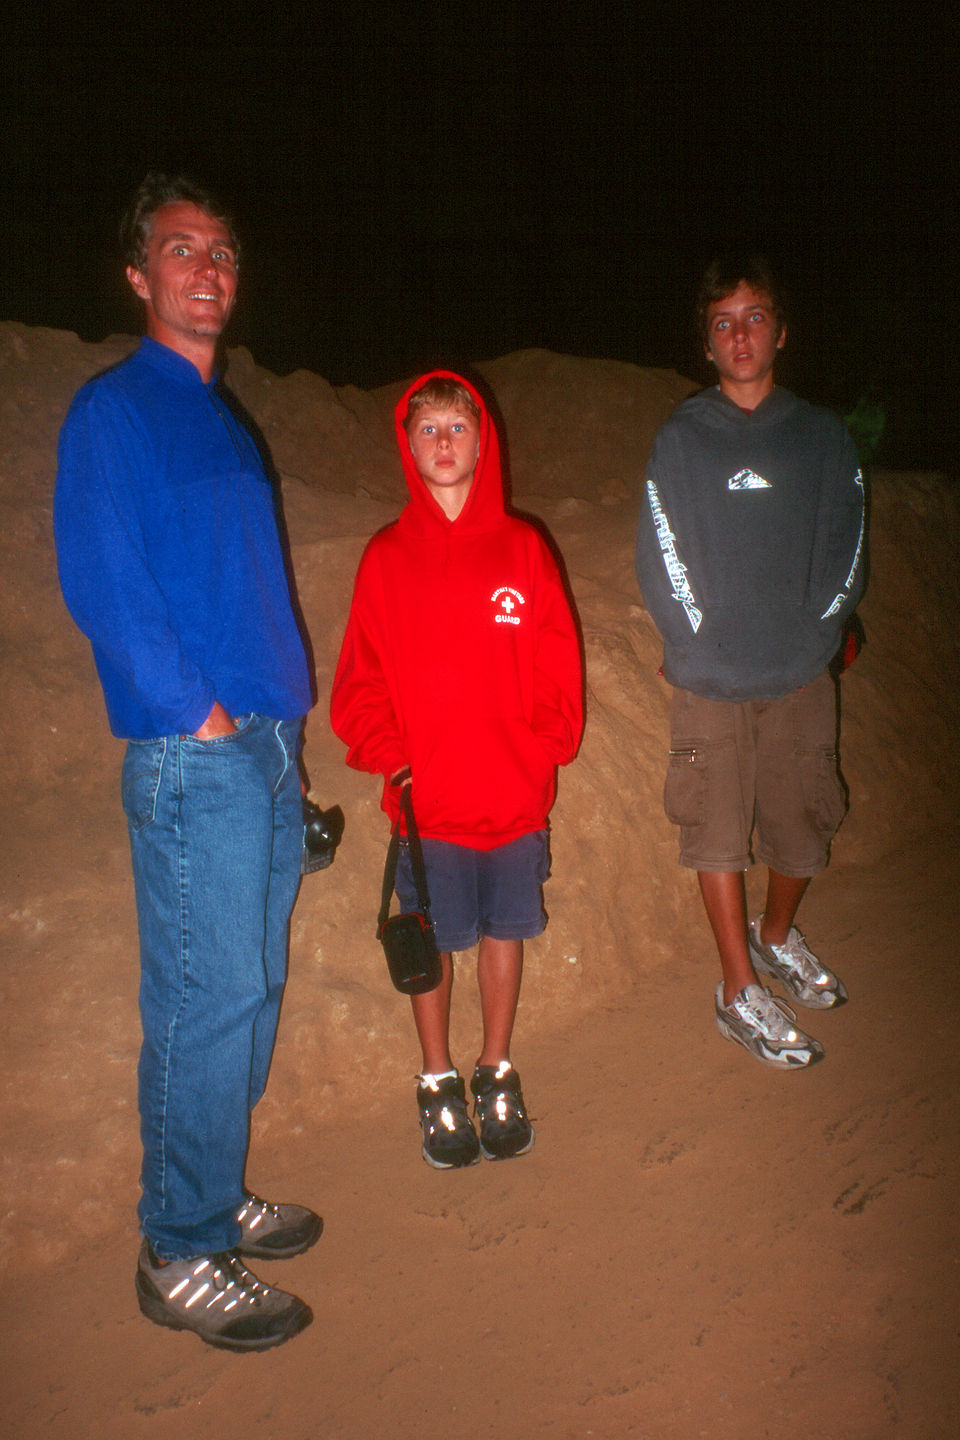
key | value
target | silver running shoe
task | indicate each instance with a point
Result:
(766, 1027)
(795, 965)
(218, 1298)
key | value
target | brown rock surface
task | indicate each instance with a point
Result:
(697, 1246)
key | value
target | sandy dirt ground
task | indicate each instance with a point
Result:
(698, 1245)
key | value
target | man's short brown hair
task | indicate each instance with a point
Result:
(156, 190)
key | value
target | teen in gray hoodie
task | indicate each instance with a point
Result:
(749, 558)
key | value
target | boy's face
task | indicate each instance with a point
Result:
(445, 445)
(742, 341)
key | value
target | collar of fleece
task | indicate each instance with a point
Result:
(484, 505)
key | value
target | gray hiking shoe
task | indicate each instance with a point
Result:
(218, 1298)
(795, 966)
(276, 1232)
(766, 1027)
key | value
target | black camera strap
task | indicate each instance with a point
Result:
(416, 861)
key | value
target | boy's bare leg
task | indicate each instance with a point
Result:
(784, 893)
(499, 971)
(725, 901)
(431, 1015)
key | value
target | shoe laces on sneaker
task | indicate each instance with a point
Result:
(763, 1011)
(435, 1094)
(796, 955)
(221, 1280)
(254, 1211)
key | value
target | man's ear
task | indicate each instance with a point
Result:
(139, 282)
(781, 337)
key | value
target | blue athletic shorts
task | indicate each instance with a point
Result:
(480, 892)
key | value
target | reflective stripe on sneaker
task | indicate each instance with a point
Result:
(794, 964)
(449, 1139)
(505, 1130)
(767, 1028)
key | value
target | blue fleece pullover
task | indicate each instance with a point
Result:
(169, 552)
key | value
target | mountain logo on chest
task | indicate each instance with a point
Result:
(748, 480)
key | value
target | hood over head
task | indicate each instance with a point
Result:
(484, 505)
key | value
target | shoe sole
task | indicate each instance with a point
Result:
(154, 1309)
(780, 1060)
(450, 1164)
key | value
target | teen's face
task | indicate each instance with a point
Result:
(743, 340)
(190, 280)
(445, 445)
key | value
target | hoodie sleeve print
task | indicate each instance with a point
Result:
(105, 576)
(361, 709)
(558, 684)
(836, 572)
(666, 587)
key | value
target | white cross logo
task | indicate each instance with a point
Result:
(507, 604)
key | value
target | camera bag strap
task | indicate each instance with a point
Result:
(416, 862)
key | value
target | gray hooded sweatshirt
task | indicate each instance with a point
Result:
(750, 548)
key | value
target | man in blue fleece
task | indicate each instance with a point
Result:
(171, 563)
(749, 559)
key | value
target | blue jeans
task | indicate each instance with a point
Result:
(216, 830)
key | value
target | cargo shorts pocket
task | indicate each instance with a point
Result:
(685, 789)
(823, 792)
(140, 780)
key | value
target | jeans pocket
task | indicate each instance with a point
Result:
(685, 789)
(241, 723)
(140, 780)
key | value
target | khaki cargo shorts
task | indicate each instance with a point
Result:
(761, 768)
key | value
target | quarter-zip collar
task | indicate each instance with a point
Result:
(175, 365)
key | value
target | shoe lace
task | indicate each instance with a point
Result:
(229, 1280)
(444, 1107)
(771, 1015)
(254, 1210)
(501, 1103)
(795, 953)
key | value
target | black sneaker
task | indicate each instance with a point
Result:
(505, 1131)
(449, 1139)
(276, 1232)
(218, 1298)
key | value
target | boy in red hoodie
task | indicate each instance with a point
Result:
(460, 675)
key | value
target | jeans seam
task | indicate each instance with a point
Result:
(183, 949)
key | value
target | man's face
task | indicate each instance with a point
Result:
(743, 340)
(445, 445)
(189, 282)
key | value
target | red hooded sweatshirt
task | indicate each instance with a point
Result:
(461, 659)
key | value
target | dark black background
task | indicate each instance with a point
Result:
(445, 183)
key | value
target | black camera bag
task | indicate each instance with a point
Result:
(408, 940)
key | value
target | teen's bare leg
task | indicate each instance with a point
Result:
(431, 1015)
(784, 893)
(499, 971)
(725, 901)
